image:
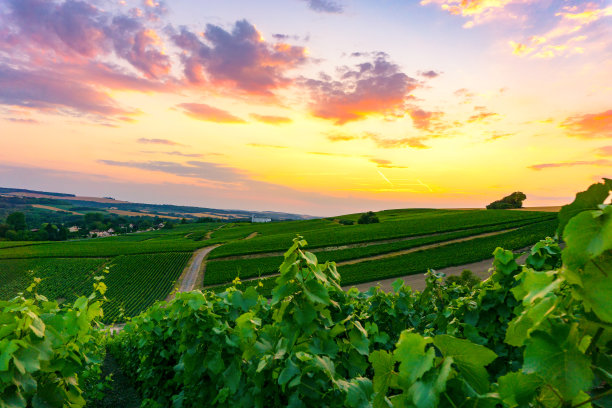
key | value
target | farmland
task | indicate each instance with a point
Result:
(144, 267)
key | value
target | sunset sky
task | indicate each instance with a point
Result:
(309, 106)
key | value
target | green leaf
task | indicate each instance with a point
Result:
(587, 235)
(586, 200)
(316, 292)
(231, 376)
(529, 320)
(26, 360)
(564, 368)
(397, 285)
(290, 371)
(469, 358)
(518, 389)
(414, 360)
(8, 347)
(358, 392)
(426, 392)
(535, 285)
(596, 291)
(383, 364)
(359, 339)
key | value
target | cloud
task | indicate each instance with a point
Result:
(266, 146)
(481, 115)
(173, 153)
(208, 113)
(168, 142)
(204, 171)
(589, 126)
(76, 31)
(497, 135)
(23, 120)
(325, 6)
(600, 162)
(340, 137)
(429, 74)
(414, 142)
(387, 164)
(240, 59)
(478, 11)
(372, 88)
(52, 92)
(424, 120)
(271, 120)
(605, 151)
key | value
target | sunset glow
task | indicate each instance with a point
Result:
(319, 107)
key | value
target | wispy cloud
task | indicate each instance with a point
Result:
(201, 170)
(416, 142)
(271, 120)
(262, 145)
(600, 162)
(387, 164)
(589, 126)
(201, 111)
(167, 142)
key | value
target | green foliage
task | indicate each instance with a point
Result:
(47, 351)
(514, 200)
(533, 335)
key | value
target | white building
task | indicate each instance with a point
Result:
(255, 218)
(74, 228)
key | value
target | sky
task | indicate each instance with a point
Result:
(318, 107)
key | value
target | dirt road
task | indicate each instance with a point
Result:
(417, 282)
(190, 275)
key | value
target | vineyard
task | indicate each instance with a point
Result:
(135, 282)
(532, 335)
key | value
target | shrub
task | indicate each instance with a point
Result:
(368, 218)
(514, 200)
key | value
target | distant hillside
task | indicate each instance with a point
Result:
(74, 203)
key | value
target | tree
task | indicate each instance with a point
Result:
(16, 221)
(514, 200)
(368, 218)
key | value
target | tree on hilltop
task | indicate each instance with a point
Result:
(514, 200)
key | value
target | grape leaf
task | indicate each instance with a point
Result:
(564, 368)
(469, 358)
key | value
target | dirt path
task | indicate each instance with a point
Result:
(251, 235)
(209, 233)
(190, 275)
(422, 248)
(417, 282)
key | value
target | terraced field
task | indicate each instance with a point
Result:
(144, 267)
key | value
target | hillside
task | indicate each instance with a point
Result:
(30, 200)
(145, 267)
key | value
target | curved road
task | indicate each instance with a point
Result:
(190, 275)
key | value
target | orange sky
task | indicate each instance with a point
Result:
(311, 106)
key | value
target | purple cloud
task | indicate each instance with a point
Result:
(378, 87)
(239, 59)
(54, 92)
(325, 6)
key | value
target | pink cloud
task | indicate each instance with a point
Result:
(371, 88)
(589, 126)
(208, 113)
(239, 59)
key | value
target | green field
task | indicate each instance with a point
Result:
(144, 267)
